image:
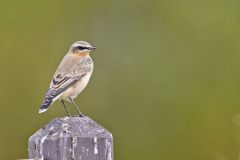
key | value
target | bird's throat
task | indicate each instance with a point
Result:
(81, 54)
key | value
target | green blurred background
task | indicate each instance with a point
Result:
(166, 81)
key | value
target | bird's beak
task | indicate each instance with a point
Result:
(92, 48)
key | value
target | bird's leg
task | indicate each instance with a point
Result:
(74, 104)
(64, 106)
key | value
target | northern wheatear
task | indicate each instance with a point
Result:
(71, 77)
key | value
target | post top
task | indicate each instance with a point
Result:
(72, 127)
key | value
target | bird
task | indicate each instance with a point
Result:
(71, 77)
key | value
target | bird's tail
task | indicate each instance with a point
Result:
(49, 99)
(52, 95)
(46, 103)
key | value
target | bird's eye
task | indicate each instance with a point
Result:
(82, 48)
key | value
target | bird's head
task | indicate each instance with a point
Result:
(81, 47)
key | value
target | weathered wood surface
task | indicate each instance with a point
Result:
(71, 138)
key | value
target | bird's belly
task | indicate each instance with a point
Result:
(76, 89)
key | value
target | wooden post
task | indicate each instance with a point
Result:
(71, 138)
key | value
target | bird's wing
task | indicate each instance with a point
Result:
(68, 73)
